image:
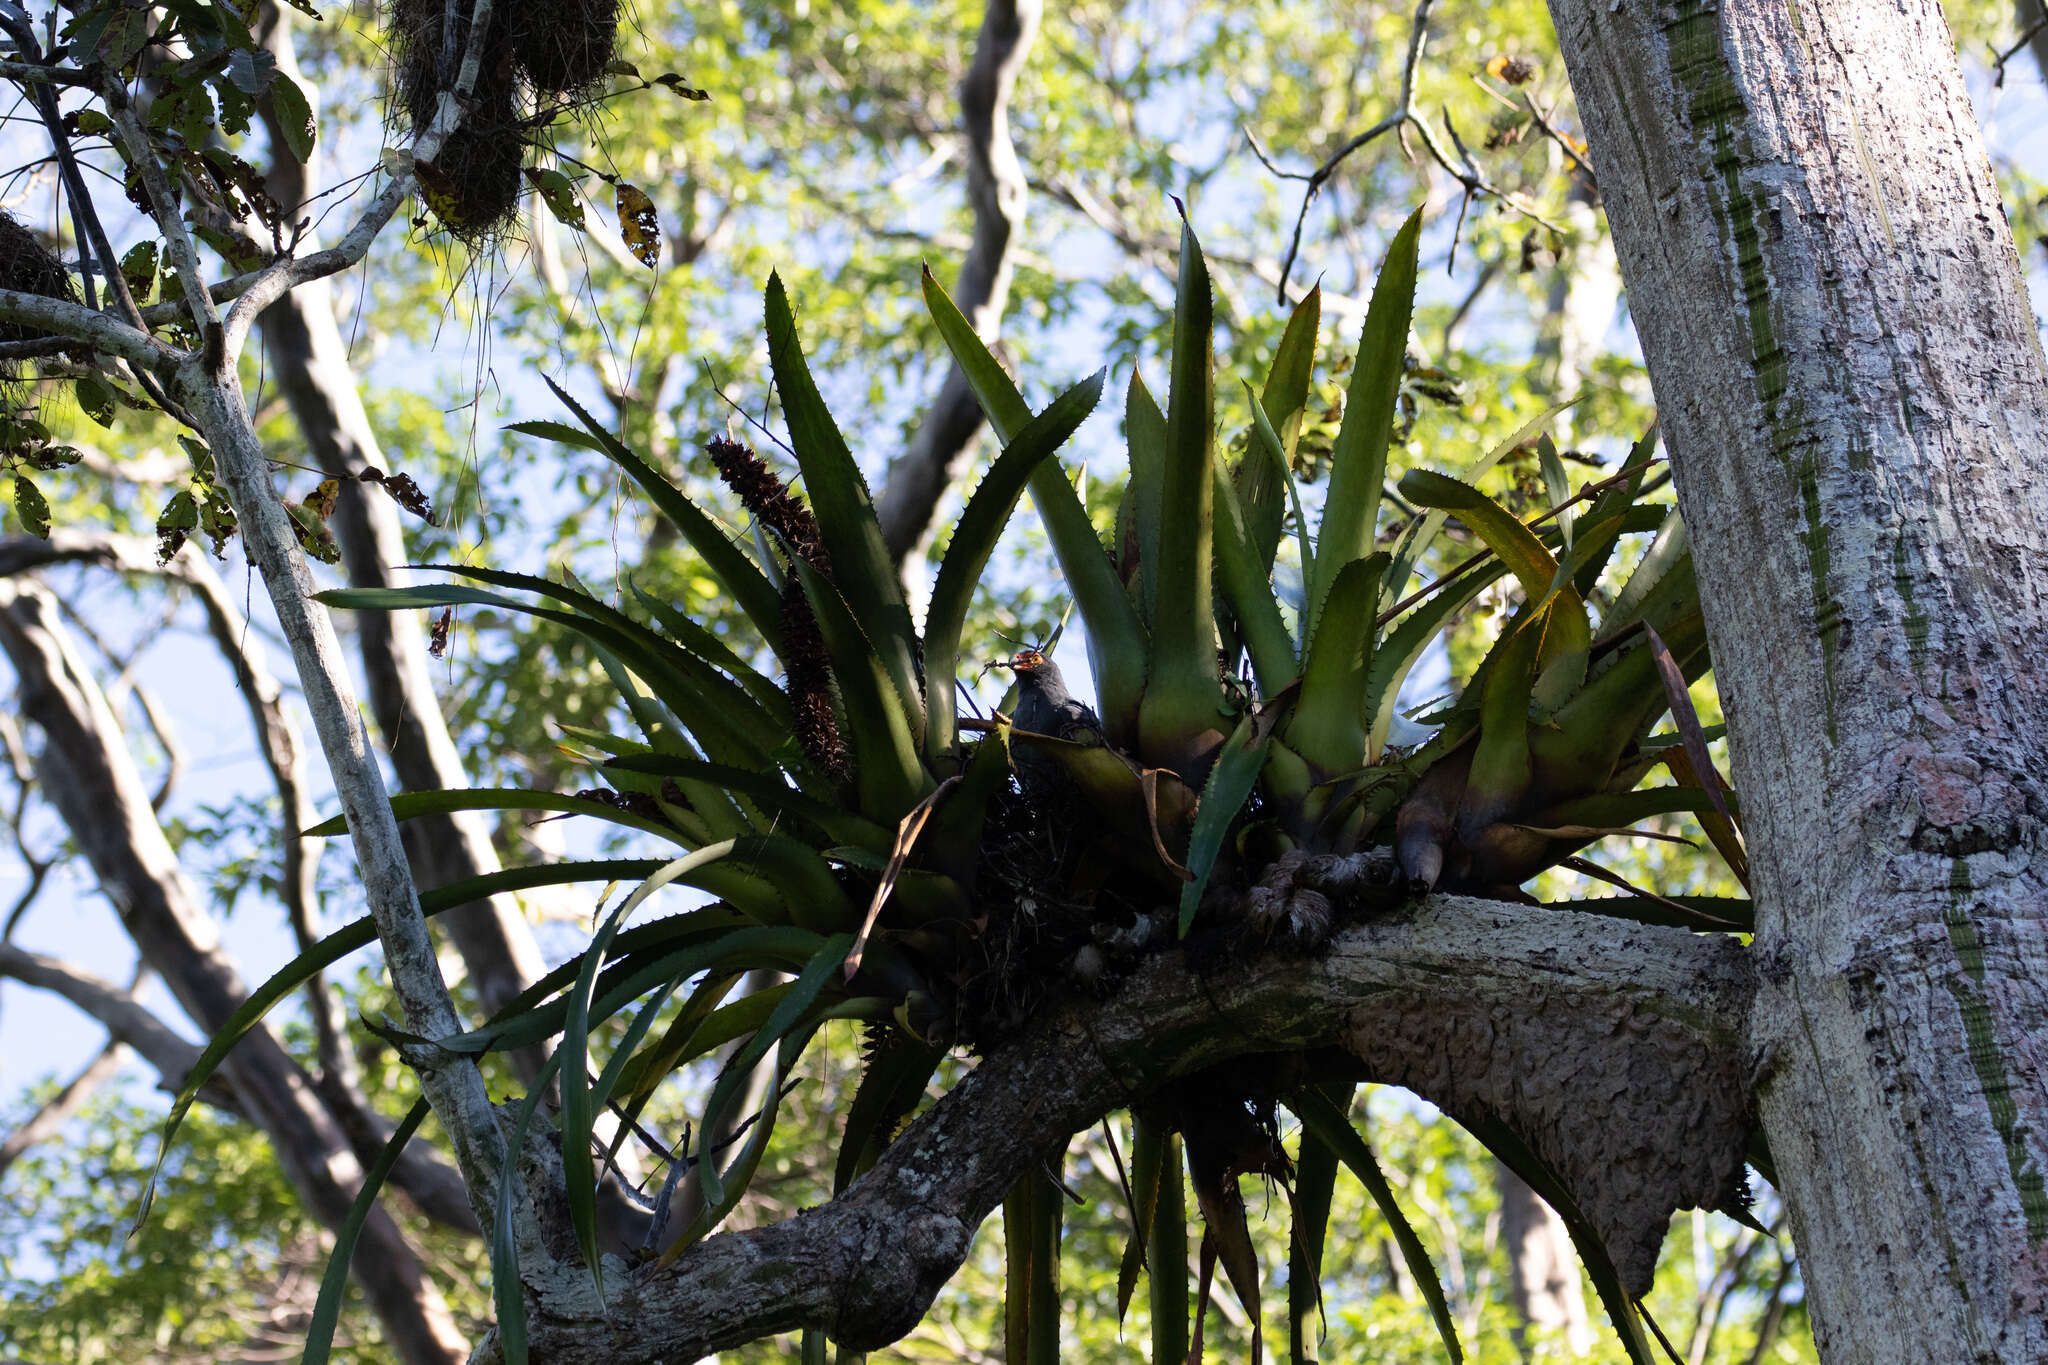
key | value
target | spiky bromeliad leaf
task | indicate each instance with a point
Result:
(1501, 767)
(1328, 724)
(578, 1172)
(1358, 462)
(1619, 498)
(1244, 572)
(1223, 796)
(1315, 1184)
(334, 1281)
(861, 568)
(1402, 646)
(729, 723)
(1118, 643)
(769, 792)
(785, 1024)
(1179, 719)
(974, 539)
(1146, 439)
(1623, 1311)
(1166, 1253)
(1423, 529)
(1266, 438)
(1667, 553)
(894, 1072)
(1148, 1158)
(412, 805)
(1325, 1123)
(349, 938)
(1032, 1213)
(728, 564)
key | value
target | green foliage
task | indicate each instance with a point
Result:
(229, 1262)
(796, 802)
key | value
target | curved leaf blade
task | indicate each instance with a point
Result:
(974, 540)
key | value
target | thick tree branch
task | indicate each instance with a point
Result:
(1615, 1049)
(996, 189)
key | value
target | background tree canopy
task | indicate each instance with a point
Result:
(1032, 162)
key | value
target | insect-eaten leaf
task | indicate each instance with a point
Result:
(139, 270)
(678, 86)
(294, 114)
(309, 521)
(31, 507)
(558, 192)
(638, 225)
(403, 491)
(216, 517)
(178, 520)
(199, 455)
(54, 457)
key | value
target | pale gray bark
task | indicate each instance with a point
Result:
(86, 774)
(1831, 306)
(997, 191)
(1519, 1013)
(127, 1020)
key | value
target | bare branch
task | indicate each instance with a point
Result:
(1402, 114)
(184, 250)
(310, 360)
(97, 330)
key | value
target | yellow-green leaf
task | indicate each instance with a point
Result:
(638, 224)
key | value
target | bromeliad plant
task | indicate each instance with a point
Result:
(855, 834)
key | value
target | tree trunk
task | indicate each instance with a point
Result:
(1831, 307)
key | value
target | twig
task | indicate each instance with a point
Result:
(1402, 113)
(2026, 36)
(1550, 130)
